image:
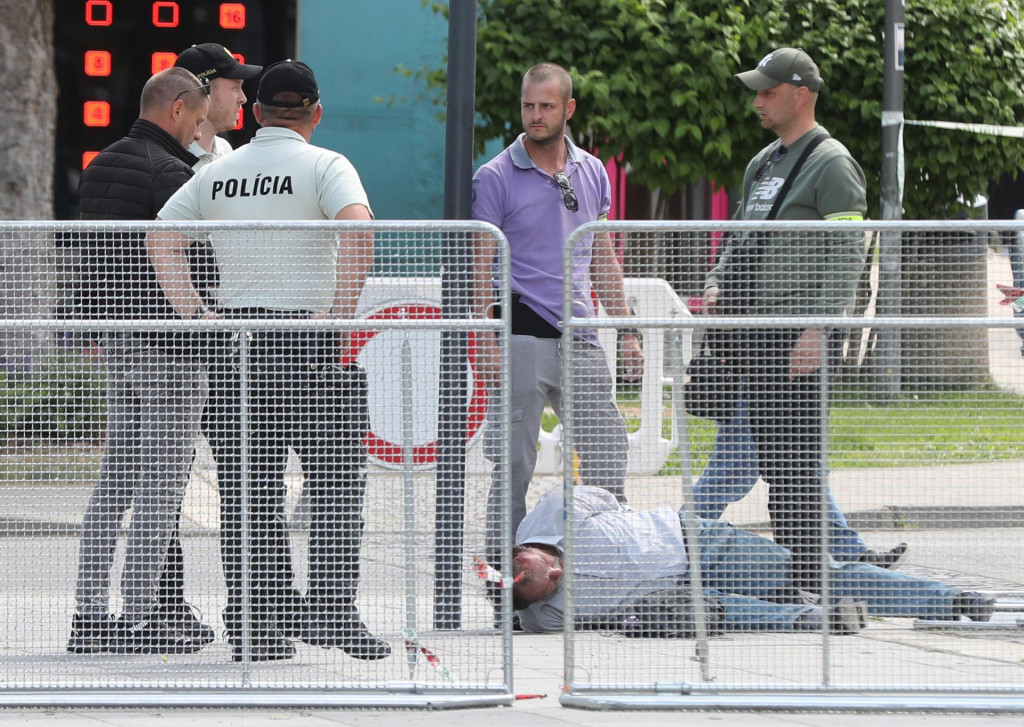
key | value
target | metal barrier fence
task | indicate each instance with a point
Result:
(882, 450)
(103, 391)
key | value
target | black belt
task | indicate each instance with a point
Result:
(526, 321)
(256, 312)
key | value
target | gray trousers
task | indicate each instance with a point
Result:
(599, 435)
(154, 403)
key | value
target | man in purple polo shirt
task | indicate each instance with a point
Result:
(537, 191)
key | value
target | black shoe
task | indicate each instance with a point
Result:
(263, 646)
(343, 629)
(973, 605)
(182, 616)
(152, 636)
(90, 633)
(890, 559)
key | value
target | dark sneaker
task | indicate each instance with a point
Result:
(889, 559)
(847, 616)
(516, 623)
(90, 633)
(343, 629)
(152, 636)
(263, 646)
(973, 605)
(182, 616)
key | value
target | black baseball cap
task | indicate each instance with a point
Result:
(211, 60)
(288, 77)
(785, 65)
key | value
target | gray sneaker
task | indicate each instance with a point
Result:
(847, 616)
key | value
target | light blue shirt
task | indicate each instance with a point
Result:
(620, 553)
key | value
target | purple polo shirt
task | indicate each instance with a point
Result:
(514, 195)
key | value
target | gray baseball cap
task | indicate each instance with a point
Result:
(785, 65)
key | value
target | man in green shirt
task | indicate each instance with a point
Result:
(783, 273)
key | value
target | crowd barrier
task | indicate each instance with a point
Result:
(418, 583)
(920, 444)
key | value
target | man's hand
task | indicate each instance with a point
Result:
(632, 357)
(488, 363)
(341, 339)
(711, 297)
(806, 356)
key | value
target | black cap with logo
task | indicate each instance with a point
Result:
(210, 60)
(291, 77)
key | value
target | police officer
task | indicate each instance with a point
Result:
(215, 64)
(296, 396)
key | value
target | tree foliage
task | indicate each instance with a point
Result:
(654, 82)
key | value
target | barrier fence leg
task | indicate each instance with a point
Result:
(409, 493)
(691, 524)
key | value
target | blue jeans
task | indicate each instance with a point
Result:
(732, 472)
(743, 569)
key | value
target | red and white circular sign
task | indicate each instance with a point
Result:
(380, 353)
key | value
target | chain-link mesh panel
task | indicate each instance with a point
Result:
(244, 458)
(840, 519)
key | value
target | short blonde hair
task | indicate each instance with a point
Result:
(545, 72)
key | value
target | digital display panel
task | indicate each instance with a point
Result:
(106, 50)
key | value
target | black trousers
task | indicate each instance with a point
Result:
(786, 419)
(296, 397)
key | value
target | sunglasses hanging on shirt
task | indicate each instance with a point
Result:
(765, 168)
(568, 195)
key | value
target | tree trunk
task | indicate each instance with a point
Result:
(944, 274)
(26, 173)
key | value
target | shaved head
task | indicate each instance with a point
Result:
(164, 87)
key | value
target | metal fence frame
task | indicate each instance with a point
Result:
(482, 689)
(670, 693)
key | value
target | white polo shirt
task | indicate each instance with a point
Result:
(220, 148)
(276, 176)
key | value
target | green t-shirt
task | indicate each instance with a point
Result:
(805, 273)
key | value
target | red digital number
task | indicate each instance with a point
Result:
(165, 14)
(161, 61)
(87, 157)
(96, 113)
(232, 16)
(98, 63)
(99, 12)
(240, 120)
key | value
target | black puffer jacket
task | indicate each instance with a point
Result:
(129, 180)
(132, 178)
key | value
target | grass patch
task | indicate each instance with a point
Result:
(924, 429)
(50, 465)
(928, 429)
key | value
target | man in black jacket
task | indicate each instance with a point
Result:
(155, 387)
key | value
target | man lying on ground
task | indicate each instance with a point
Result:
(626, 560)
